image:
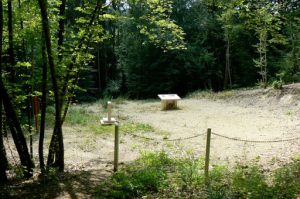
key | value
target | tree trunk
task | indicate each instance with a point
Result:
(294, 58)
(10, 41)
(227, 67)
(22, 27)
(11, 116)
(3, 159)
(265, 65)
(57, 133)
(61, 30)
(16, 131)
(29, 123)
(43, 109)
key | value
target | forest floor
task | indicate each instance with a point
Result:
(256, 115)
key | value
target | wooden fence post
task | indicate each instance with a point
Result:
(208, 136)
(116, 152)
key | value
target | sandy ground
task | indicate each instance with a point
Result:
(234, 120)
(254, 115)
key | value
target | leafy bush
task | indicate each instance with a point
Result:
(147, 175)
(155, 175)
(287, 181)
(249, 182)
(113, 88)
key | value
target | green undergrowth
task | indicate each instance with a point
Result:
(116, 101)
(212, 95)
(82, 116)
(156, 175)
(77, 115)
(136, 127)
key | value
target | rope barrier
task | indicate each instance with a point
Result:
(255, 141)
(166, 140)
(186, 138)
(216, 134)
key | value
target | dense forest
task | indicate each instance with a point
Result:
(52, 50)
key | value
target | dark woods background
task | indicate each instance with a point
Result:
(128, 64)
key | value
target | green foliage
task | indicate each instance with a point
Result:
(277, 84)
(150, 70)
(264, 19)
(137, 127)
(286, 181)
(99, 129)
(113, 88)
(155, 175)
(148, 175)
(211, 95)
(249, 182)
(80, 116)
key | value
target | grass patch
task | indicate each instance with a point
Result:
(212, 95)
(136, 127)
(116, 101)
(98, 129)
(77, 115)
(87, 144)
(155, 175)
(148, 175)
(80, 116)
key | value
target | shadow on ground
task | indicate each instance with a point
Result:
(74, 185)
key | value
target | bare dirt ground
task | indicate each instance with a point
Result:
(246, 115)
(254, 115)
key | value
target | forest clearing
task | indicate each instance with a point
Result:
(229, 68)
(255, 114)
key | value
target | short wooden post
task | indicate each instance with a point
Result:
(116, 152)
(207, 154)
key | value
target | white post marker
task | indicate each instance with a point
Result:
(108, 120)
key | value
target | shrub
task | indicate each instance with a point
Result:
(155, 175)
(249, 182)
(287, 181)
(147, 175)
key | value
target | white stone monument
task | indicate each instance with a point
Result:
(108, 120)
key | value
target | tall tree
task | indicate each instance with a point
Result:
(10, 40)
(290, 10)
(62, 84)
(3, 159)
(58, 133)
(16, 131)
(43, 107)
(264, 19)
(228, 20)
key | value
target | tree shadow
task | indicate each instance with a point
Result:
(73, 184)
